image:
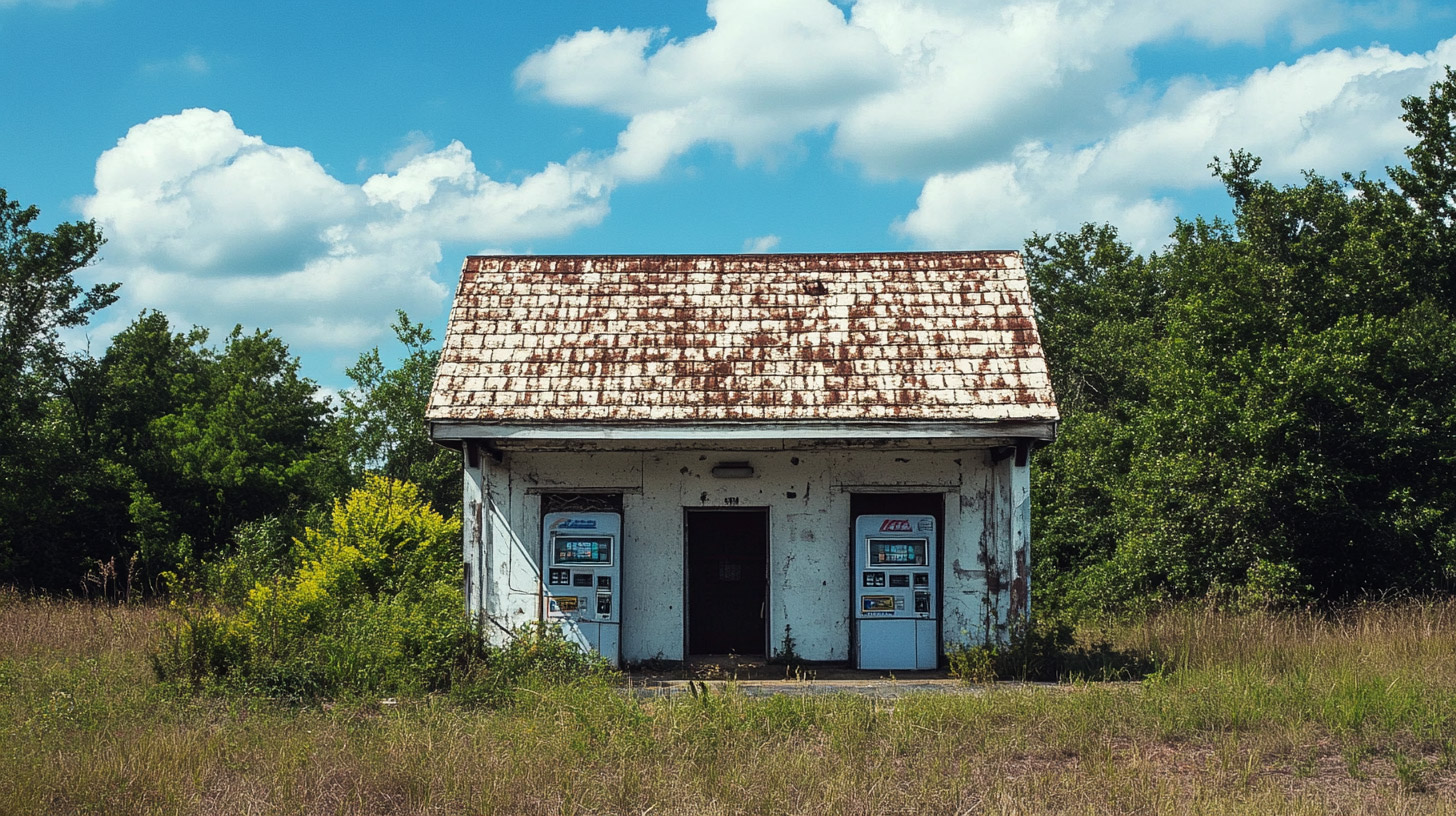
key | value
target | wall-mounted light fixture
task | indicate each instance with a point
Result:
(733, 470)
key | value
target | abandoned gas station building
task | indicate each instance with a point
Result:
(821, 457)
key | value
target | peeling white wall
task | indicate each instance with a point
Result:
(807, 495)
(502, 557)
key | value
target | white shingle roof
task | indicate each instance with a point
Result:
(705, 338)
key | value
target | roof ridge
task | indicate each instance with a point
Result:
(865, 254)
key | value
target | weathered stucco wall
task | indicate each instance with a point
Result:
(807, 495)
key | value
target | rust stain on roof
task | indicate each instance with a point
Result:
(922, 336)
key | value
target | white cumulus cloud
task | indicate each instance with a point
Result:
(215, 226)
(1328, 111)
(1014, 114)
(767, 71)
(909, 86)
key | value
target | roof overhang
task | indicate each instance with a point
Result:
(452, 432)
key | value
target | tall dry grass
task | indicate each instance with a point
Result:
(57, 629)
(1248, 714)
(1411, 637)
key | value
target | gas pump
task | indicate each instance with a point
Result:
(895, 608)
(583, 570)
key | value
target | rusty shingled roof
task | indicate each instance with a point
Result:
(706, 338)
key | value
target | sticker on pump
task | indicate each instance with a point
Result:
(877, 604)
(575, 524)
(895, 526)
(566, 603)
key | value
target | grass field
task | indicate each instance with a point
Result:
(1247, 714)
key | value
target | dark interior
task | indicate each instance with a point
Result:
(727, 565)
(892, 504)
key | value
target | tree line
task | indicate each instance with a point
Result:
(155, 455)
(1261, 412)
(1264, 411)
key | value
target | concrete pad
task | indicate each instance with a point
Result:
(881, 689)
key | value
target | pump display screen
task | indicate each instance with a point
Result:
(582, 549)
(897, 552)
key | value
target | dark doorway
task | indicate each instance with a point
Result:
(727, 586)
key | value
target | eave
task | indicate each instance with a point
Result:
(451, 433)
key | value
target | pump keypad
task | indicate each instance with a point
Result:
(560, 577)
(900, 580)
(581, 579)
(874, 579)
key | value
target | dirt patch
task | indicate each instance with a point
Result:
(755, 667)
(752, 676)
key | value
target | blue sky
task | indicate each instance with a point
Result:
(311, 167)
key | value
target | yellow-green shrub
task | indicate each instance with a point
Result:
(373, 604)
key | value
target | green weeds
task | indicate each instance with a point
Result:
(1048, 651)
(1347, 714)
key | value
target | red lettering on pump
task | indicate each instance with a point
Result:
(895, 526)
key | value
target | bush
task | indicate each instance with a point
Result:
(258, 552)
(538, 655)
(1045, 650)
(205, 648)
(973, 664)
(373, 604)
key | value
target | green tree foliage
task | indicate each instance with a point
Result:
(45, 435)
(39, 294)
(160, 456)
(204, 439)
(382, 420)
(1267, 408)
(1428, 186)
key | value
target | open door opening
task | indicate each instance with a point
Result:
(727, 581)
